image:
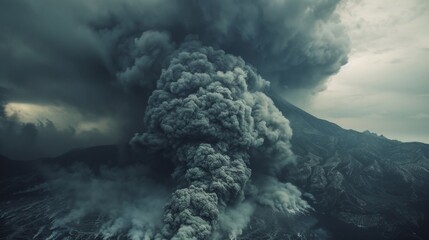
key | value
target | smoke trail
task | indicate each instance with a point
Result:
(209, 112)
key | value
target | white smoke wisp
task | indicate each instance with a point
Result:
(281, 197)
(209, 112)
(117, 201)
(234, 220)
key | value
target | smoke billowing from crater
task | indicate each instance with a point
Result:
(210, 113)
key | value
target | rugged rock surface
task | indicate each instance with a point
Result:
(361, 186)
(361, 179)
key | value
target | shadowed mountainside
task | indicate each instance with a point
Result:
(361, 179)
(361, 185)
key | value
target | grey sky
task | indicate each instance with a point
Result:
(385, 85)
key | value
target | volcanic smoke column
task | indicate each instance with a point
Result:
(209, 113)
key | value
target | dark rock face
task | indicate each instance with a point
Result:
(361, 179)
(361, 186)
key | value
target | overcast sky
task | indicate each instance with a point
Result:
(384, 87)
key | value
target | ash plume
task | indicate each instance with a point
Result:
(295, 44)
(209, 112)
(96, 48)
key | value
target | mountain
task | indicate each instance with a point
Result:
(360, 179)
(361, 186)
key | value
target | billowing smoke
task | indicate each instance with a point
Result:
(234, 220)
(295, 44)
(97, 47)
(149, 52)
(210, 113)
(124, 201)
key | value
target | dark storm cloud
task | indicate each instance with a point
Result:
(49, 56)
(81, 53)
(31, 140)
(150, 51)
(295, 44)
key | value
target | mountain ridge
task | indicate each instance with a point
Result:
(372, 186)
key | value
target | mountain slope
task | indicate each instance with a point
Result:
(362, 186)
(359, 178)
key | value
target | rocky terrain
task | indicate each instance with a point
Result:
(360, 179)
(361, 186)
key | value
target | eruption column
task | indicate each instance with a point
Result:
(209, 113)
